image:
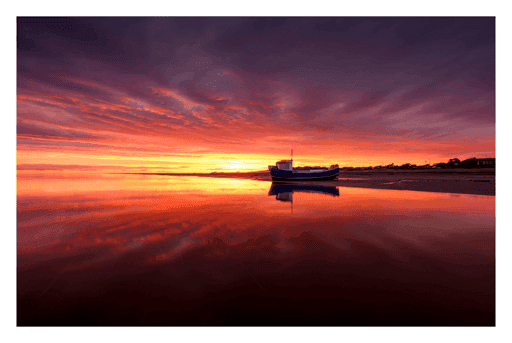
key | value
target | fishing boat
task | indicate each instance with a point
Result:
(284, 171)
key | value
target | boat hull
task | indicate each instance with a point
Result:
(289, 175)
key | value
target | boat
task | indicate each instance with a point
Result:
(284, 171)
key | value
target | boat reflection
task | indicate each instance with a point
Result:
(284, 192)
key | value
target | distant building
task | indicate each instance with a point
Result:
(486, 162)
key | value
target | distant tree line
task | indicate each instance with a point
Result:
(452, 163)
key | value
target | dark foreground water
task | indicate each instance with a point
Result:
(152, 250)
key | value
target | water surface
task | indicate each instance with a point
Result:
(153, 250)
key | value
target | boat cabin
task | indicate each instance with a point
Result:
(284, 165)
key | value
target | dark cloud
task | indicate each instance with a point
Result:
(95, 38)
(47, 131)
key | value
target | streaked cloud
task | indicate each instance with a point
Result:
(325, 86)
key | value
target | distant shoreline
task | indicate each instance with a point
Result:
(479, 171)
(459, 181)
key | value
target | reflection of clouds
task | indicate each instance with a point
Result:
(285, 245)
(180, 248)
(99, 227)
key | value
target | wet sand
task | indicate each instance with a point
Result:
(459, 181)
(478, 182)
(171, 251)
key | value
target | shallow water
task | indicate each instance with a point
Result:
(153, 250)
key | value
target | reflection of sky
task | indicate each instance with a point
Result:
(102, 220)
(90, 184)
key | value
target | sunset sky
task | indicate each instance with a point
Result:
(191, 94)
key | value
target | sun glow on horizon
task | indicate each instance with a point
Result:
(203, 162)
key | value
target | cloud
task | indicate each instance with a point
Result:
(229, 83)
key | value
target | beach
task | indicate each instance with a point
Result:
(125, 250)
(458, 181)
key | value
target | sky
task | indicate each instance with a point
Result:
(199, 94)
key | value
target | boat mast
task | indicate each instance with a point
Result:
(292, 159)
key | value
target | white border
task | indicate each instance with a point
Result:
(260, 8)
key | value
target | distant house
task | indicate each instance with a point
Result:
(486, 162)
